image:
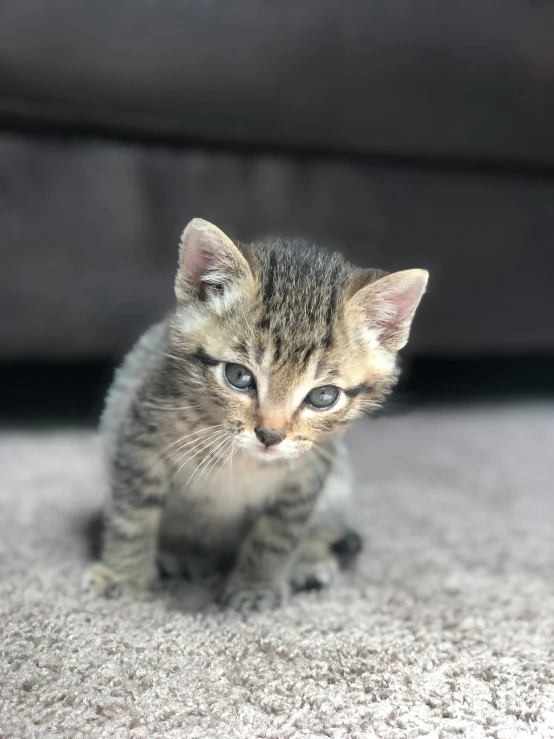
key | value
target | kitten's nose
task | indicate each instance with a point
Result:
(268, 438)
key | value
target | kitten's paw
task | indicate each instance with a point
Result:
(247, 597)
(348, 547)
(100, 580)
(314, 575)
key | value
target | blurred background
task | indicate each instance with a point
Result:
(406, 134)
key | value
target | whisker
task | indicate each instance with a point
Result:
(231, 465)
(323, 452)
(316, 458)
(319, 458)
(219, 457)
(228, 458)
(201, 435)
(169, 407)
(178, 359)
(204, 442)
(213, 454)
(202, 449)
(201, 438)
(198, 442)
(225, 455)
(205, 460)
(186, 436)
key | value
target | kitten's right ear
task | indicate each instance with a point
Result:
(211, 268)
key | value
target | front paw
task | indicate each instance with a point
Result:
(314, 575)
(246, 597)
(100, 580)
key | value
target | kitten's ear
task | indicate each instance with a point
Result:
(387, 305)
(211, 268)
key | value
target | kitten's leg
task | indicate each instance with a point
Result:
(139, 481)
(330, 539)
(260, 579)
(316, 566)
(318, 560)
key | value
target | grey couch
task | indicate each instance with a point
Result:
(405, 133)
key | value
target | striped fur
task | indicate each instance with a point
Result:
(191, 486)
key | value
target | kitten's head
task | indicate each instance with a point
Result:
(285, 343)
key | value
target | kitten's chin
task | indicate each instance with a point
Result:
(269, 454)
(286, 450)
(273, 454)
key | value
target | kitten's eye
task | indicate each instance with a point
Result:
(239, 377)
(322, 397)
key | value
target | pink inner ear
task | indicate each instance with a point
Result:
(208, 262)
(395, 299)
(200, 253)
(400, 303)
(196, 259)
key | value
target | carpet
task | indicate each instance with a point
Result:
(444, 629)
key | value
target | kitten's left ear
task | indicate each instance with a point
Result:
(388, 305)
(211, 267)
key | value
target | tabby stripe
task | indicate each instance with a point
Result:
(278, 348)
(284, 532)
(201, 356)
(331, 306)
(308, 353)
(268, 287)
(353, 392)
(260, 546)
(296, 497)
(121, 533)
(151, 501)
(291, 517)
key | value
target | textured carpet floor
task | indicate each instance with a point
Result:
(445, 629)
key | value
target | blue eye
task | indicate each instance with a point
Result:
(239, 377)
(322, 398)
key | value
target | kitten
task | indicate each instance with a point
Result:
(223, 426)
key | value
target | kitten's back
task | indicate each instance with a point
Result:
(136, 369)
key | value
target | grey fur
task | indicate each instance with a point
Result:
(265, 526)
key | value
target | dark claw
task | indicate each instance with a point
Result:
(349, 546)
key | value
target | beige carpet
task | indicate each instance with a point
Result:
(446, 629)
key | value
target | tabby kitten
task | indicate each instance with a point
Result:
(223, 426)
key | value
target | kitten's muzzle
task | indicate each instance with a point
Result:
(268, 437)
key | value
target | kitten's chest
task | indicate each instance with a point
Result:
(239, 487)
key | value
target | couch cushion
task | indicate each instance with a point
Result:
(90, 233)
(468, 79)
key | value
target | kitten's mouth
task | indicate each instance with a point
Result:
(273, 454)
(285, 450)
(267, 452)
